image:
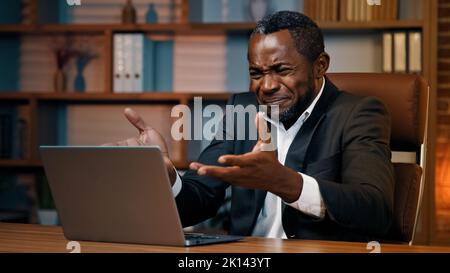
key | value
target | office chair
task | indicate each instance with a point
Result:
(407, 99)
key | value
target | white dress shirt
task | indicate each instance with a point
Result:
(310, 202)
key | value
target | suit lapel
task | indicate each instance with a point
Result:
(299, 148)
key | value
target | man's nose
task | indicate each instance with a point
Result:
(270, 84)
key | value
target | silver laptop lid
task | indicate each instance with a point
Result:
(113, 194)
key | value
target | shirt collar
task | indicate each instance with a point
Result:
(305, 115)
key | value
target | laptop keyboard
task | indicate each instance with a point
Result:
(193, 236)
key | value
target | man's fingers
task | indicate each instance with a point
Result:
(220, 172)
(234, 160)
(135, 119)
(127, 142)
(264, 143)
(195, 166)
(261, 126)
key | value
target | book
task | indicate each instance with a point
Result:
(322, 10)
(307, 7)
(357, 5)
(415, 52)
(335, 10)
(350, 10)
(313, 7)
(394, 10)
(343, 10)
(400, 60)
(387, 52)
(363, 11)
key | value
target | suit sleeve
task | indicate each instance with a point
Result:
(363, 200)
(201, 196)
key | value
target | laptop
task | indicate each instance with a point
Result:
(117, 194)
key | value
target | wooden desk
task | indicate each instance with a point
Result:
(35, 238)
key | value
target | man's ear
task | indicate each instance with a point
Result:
(321, 65)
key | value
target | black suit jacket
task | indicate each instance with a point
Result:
(344, 145)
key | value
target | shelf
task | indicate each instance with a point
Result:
(19, 163)
(129, 97)
(199, 27)
(16, 28)
(110, 97)
(18, 96)
(168, 27)
(380, 25)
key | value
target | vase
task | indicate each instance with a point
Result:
(59, 81)
(152, 16)
(129, 13)
(80, 82)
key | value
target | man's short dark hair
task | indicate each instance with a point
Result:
(307, 35)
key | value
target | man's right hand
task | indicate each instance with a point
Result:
(147, 137)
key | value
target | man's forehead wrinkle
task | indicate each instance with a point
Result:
(270, 54)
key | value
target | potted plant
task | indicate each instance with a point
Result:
(84, 56)
(63, 54)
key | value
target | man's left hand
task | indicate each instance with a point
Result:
(259, 169)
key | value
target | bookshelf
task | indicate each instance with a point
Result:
(37, 100)
(198, 27)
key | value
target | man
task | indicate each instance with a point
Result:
(331, 176)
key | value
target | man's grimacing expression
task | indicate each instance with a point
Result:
(279, 75)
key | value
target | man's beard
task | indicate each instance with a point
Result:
(290, 115)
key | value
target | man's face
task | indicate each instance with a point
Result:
(279, 75)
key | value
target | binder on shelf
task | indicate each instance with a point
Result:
(387, 52)
(415, 52)
(118, 63)
(137, 63)
(400, 60)
(128, 63)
